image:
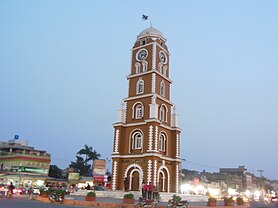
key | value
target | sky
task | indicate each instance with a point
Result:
(63, 68)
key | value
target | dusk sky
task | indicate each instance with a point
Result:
(63, 68)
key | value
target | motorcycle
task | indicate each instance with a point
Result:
(56, 197)
(175, 204)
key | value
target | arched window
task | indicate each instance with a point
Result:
(137, 140)
(162, 89)
(163, 113)
(162, 142)
(140, 86)
(137, 68)
(139, 111)
(145, 65)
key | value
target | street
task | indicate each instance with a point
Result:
(27, 203)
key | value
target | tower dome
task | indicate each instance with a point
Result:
(151, 31)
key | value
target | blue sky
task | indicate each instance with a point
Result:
(63, 68)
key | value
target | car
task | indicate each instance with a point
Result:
(274, 199)
(3, 190)
(18, 191)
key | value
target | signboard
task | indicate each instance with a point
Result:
(73, 176)
(33, 170)
(99, 167)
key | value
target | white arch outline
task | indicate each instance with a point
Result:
(166, 112)
(168, 173)
(137, 168)
(133, 110)
(130, 138)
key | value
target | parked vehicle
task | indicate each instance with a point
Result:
(274, 199)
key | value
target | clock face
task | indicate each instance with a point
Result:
(162, 57)
(142, 54)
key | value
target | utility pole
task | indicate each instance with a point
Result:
(261, 178)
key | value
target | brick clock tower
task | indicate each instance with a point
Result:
(147, 136)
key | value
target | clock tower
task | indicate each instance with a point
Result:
(146, 134)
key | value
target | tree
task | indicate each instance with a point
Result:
(80, 166)
(55, 171)
(89, 153)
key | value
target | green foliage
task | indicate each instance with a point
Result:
(228, 199)
(60, 192)
(44, 191)
(91, 194)
(55, 171)
(176, 198)
(129, 196)
(81, 165)
(212, 199)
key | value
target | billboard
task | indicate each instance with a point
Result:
(99, 167)
(73, 176)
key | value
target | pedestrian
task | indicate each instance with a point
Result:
(150, 190)
(10, 190)
(155, 193)
(142, 189)
(145, 189)
(126, 184)
(88, 187)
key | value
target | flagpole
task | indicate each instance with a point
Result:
(145, 17)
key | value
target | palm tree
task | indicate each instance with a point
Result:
(80, 166)
(89, 153)
(85, 151)
(94, 156)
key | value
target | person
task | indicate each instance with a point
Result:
(88, 187)
(31, 192)
(126, 184)
(155, 193)
(143, 189)
(150, 190)
(10, 190)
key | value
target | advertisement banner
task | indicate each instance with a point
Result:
(73, 176)
(99, 167)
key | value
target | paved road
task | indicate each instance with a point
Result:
(258, 204)
(27, 203)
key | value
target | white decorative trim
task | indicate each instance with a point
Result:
(134, 110)
(140, 171)
(177, 178)
(154, 56)
(125, 112)
(148, 95)
(153, 82)
(155, 173)
(148, 72)
(128, 87)
(116, 146)
(177, 146)
(156, 138)
(130, 140)
(114, 178)
(149, 177)
(150, 138)
(153, 154)
(163, 166)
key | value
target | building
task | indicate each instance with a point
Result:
(22, 164)
(146, 135)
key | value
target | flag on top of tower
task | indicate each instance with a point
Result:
(144, 17)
